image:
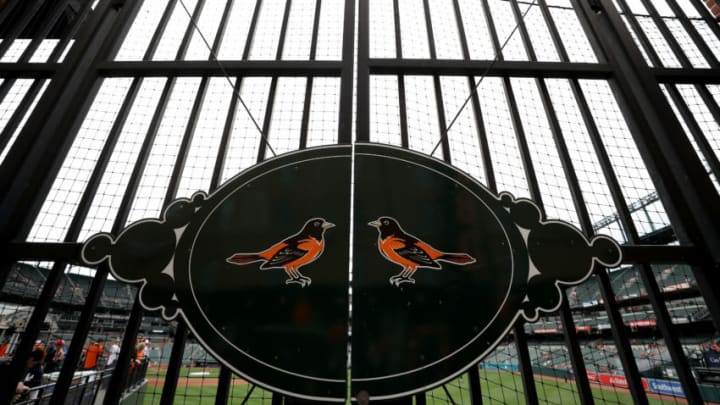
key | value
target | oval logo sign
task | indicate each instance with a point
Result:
(375, 258)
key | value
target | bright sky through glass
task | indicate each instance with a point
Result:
(424, 128)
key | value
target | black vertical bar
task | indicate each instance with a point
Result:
(174, 364)
(19, 25)
(267, 119)
(227, 131)
(693, 33)
(442, 124)
(363, 71)
(273, 86)
(224, 381)
(402, 107)
(526, 372)
(251, 30)
(309, 83)
(474, 383)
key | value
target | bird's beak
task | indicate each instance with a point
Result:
(327, 225)
(374, 223)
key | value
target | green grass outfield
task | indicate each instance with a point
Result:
(497, 387)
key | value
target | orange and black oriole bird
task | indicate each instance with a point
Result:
(409, 252)
(292, 253)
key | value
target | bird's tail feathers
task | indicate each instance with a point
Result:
(243, 258)
(457, 258)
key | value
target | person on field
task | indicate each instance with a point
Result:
(92, 354)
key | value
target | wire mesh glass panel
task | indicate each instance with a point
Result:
(299, 31)
(550, 360)
(115, 179)
(287, 111)
(540, 37)
(445, 29)
(384, 110)
(13, 99)
(546, 160)
(15, 50)
(500, 381)
(198, 375)
(422, 114)
(237, 30)
(508, 35)
(464, 136)
(572, 34)
(58, 209)
(203, 153)
(9, 134)
(244, 392)
(659, 42)
(330, 31)
(699, 109)
(509, 169)
(382, 29)
(642, 199)
(163, 154)
(691, 136)
(597, 345)
(266, 37)
(245, 138)
(324, 111)
(455, 391)
(689, 48)
(592, 182)
(712, 40)
(174, 31)
(205, 30)
(138, 37)
(476, 30)
(413, 29)
(635, 38)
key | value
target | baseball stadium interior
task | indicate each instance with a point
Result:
(604, 112)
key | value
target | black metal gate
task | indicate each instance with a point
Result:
(604, 112)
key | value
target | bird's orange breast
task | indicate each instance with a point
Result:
(388, 248)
